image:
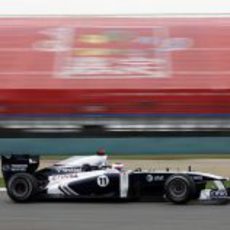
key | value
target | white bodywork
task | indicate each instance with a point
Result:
(78, 161)
(207, 194)
(56, 181)
(62, 180)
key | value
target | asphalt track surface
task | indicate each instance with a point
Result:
(111, 216)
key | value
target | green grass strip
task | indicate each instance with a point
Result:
(2, 183)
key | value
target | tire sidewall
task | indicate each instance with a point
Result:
(28, 181)
(189, 188)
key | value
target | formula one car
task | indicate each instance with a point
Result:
(93, 177)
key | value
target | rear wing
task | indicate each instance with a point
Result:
(12, 164)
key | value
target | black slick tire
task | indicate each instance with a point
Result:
(179, 189)
(21, 187)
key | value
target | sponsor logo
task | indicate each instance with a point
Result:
(63, 176)
(102, 65)
(215, 194)
(98, 52)
(149, 178)
(68, 170)
(94, 39)
(6, 168)
(19, 167)
(108, 53)
(159, 178)
(197, 178)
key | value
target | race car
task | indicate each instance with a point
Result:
(93, 177)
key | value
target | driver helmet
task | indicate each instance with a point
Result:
(100, 152)
(119, 166)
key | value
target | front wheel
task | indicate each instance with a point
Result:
(179, 189)
(21, 187)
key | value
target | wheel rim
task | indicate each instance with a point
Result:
(20, 188)
(178, 188)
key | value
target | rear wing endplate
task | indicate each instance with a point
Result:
(12, 164)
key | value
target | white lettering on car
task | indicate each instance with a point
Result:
(62, 176)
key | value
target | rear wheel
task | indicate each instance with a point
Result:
(179, 189)
(21, 187)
